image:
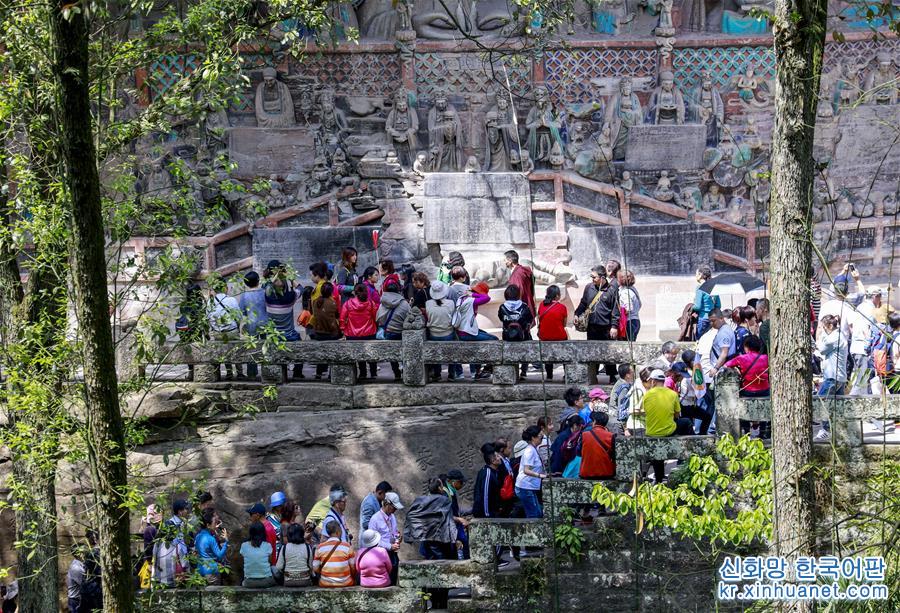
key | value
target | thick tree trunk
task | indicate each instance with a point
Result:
(37, 567)
(106, 441)
(799, 31)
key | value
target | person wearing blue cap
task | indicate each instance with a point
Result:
(273, 523)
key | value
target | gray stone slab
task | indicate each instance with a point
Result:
(647, 249)
(300, 247)
(666, 147)
(864, 147)
(505, 374)
(483, 208)
(266, 151)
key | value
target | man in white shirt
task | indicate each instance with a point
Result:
(224, 316)
(860, 323)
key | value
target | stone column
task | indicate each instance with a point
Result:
(727, 404)
(412, 356)
(206, 373)
(576, 374)
(505, 374)
(343, 374)
(272, 373)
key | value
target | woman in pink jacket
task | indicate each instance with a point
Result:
(358, 324)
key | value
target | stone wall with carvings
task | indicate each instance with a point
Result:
(664, 112)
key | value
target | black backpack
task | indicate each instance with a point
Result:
(513, 330)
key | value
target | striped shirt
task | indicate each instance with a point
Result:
(338, 570)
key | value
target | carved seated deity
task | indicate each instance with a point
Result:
(595, 161)
(667, 102)
(890, 204)
(627, 183)
(663, 190)
(274, 105)
(713, 200)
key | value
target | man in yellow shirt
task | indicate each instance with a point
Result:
(882, 308)
(663, 414)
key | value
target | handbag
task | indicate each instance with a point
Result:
(581, 321)
(303, 318)
(144, 575)
(379, 335)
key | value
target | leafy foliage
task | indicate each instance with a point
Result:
(726, 498)
(567, 537)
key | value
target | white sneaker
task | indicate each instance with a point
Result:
(754, 432)
(821, 436)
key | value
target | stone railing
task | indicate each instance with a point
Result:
(414, 353)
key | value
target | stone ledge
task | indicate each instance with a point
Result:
(442, 573)
(631, 451)
(296, 600)
(485, 534)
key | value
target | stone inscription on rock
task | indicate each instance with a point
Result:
(468, 208)
(665, 147)
(867, 145)
(300, 247)
(263, 152)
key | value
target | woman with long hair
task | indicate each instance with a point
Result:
(326, 315)
(256, 551)
(358, 324)
(346, 275)
(630, 300)
(552, 316)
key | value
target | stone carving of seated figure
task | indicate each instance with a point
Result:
(663, 189)
(274, 105)
(713, 200)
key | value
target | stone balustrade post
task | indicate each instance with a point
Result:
(505, 374)
(727, 404)
(576, 374)
(343, 374)
(412, 353)
(206, 373)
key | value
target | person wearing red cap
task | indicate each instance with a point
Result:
(467, 302)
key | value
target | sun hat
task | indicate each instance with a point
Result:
(519, 449)
(481, 288)
(370, 538)
(153, 515)
(393, 499)
(439, 290)
(277, 499)
(658, 375)
(598, 394)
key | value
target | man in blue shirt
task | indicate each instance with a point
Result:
(371, 504)
(724, 344)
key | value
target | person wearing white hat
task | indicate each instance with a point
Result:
(439, 310)
(663, 414)
(384, 523)
(373, 562)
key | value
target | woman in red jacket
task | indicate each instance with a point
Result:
(358, 324)
(552, 316)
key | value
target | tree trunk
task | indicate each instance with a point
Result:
(33, 463)
(799, 31)
(106, 441)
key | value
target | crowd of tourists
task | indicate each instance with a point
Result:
(341, 302)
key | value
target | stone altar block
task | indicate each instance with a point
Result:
(260, 152)
(666, 147)
(477, 208)
(300, 247)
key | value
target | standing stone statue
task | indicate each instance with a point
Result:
(667, 102)
(274, 105)
(496, 146)
(401, 125)
(543, 127)
(332, 120)
(445, 136)
(623, 112)
(710, 109)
